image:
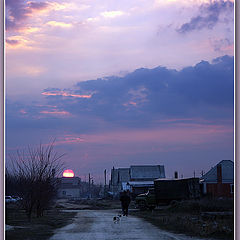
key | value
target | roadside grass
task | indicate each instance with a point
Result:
(39, 228)
(193, 218)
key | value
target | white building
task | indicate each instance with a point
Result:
(69, 187)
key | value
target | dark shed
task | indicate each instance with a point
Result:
(177, 189)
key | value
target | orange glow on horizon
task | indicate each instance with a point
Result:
(68, 173)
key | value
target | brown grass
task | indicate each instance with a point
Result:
(191, 218)
(39, 228)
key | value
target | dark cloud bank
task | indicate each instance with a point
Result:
(209, 16)
(140, 99)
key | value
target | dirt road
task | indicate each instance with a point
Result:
(99, 225)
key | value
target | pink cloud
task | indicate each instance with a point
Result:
(22, 111)
(131, 103)
(69, 139)
(229, 48)
(56, 112)
(177, 136)
(41, 105)
(64, 94)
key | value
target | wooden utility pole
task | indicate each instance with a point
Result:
(105, 182)
(89, 185)
(105, 177)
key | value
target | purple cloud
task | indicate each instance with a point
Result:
(38, 5)
(221, 44)
(141, 98)
(18, 10)
(208, 17)
(12, 42)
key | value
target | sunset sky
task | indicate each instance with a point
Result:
(120, 83)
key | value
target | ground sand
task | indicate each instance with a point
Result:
(99, 225)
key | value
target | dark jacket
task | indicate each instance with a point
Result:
(125, 199)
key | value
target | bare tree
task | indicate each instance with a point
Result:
(34, 175)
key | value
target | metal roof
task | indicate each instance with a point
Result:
(227, 173)
(147, 172)
(137, 173)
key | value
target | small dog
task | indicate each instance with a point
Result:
(116, 219)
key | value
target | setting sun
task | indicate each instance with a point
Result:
(68, 173)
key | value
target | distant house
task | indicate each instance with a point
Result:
(137, 179)
(142, 177)
(218, 182)
(69, 187)
(118, 176)
(146, 172)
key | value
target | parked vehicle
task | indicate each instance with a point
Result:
(17, 198)
(146, 200)
(10, 199)
(165, 191)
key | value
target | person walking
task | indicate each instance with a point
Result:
(125, 201)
